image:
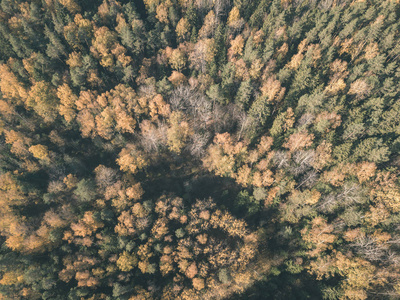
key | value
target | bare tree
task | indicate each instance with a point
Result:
(281, 159)
(148, 89)
(370, 248)
(302, 161)
(179, 97)
(222, 7)
(193, 103)
(305, 120)
(153, 137)
(204, 5)
(197, 57)
(105, 176)
(309, 179)
(198, 144)
(350, 195)
(328, 203)
(200, 107)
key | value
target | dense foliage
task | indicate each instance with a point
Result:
(199, 149)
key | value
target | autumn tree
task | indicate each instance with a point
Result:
(178, 132)
(67, 102)
(132, 159)
(42, 99)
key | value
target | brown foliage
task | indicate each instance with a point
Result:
(298, 141)
(177, 78)
(42, 99)
(273, 90)
(320, 236)
(131, 159)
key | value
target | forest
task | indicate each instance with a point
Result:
(199, 149)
